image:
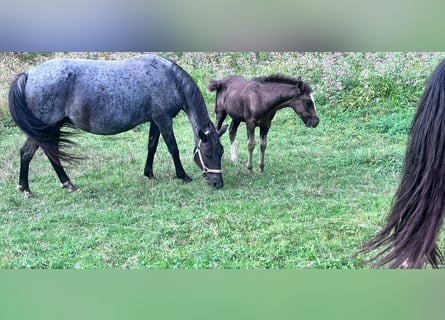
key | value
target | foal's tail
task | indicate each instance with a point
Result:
(213, 85)
(409, 238)
(47, 136)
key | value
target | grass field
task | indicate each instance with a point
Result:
(324, 192)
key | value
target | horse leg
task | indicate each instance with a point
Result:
(153, 139)
(232, 134)
(250, 144)
(65, 181)
(27, 152)
(220, 117)
(166, 129)
(263, 145)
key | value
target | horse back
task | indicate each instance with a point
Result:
(103, 97)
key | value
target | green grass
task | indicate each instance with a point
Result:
(324, 192)
(319, 198)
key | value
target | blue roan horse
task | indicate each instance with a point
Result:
(109, 97)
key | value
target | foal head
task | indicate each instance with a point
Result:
(304, 105)
(208, 154)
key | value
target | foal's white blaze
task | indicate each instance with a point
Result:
(234, 152)
(313, 101)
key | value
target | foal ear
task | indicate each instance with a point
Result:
(222, 130)
(300, 86)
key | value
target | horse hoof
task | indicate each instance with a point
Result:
(69, 186)
(187, 179)
(26, 191)
(28, 194)
(151, 177)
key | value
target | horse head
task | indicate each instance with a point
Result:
(208, 153)
(304, 104)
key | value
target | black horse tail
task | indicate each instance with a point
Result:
(410, 235)
(213, 85)
(47, 136)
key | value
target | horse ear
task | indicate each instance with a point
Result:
(203, 135)
(300, 86)
(222, 130)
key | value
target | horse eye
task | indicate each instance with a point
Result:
(207, 150)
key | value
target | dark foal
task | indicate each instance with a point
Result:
(255, 102)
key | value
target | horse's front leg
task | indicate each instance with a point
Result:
(250, 144)
(263, 145)
(27, 152)
(166, 129)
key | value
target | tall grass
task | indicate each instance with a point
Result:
(323, 193)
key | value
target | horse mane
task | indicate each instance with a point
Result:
(195, 107)
(283, 79)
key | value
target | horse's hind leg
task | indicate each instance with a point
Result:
(250, 144)
(27, 152)
(65, 181)
(263, 145)
(153, 139)
(220, 117)
(232, 135)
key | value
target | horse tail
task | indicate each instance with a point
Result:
(47, 136)
(409, 237)
(213, 85)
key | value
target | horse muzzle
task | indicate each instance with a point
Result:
(312, 122)
(214, 179)
(212, 176)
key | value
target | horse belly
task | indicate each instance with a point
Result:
(235, 109)
(112, 104)
(110, 115)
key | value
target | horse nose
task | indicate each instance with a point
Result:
(215, 182)
(218, 184)
(312, 122)
(315, 122)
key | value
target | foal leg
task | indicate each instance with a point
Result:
(220, 117)
(232, 135)
(153, 139)
(27, 152)
(250, 144)
(263, 145)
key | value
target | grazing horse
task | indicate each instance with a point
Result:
(255, 102)
(408, 240)
(109, 97)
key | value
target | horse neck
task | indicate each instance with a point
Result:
(286, 93)
(282, 99)
(194, 105)
(197, 113)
